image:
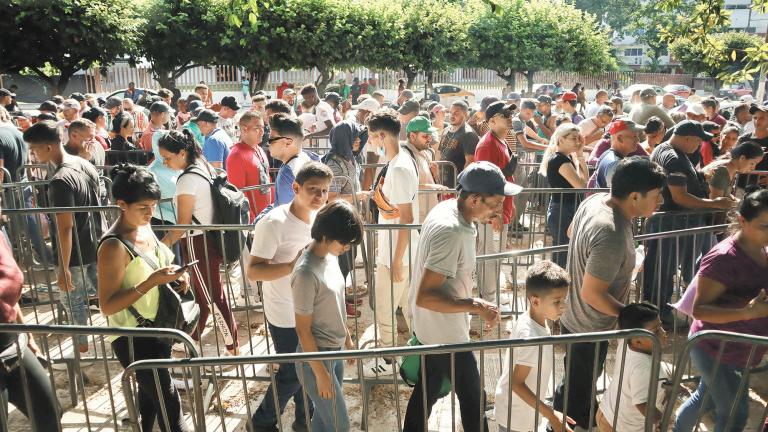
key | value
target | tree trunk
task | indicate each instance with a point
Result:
(430, 79)
(325, 78)
(510, 78)
(165, 80)
(258, 79)
(62, 82)
(529, 77)
(411, 75)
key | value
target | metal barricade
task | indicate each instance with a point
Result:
(138, 157)
(756, 347)
(93, 402)
(388, 412)
(758, 178)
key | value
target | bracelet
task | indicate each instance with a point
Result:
(141, 294)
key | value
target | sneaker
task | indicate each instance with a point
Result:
(378, 368)
(182, 384)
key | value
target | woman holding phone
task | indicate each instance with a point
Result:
(127, 279)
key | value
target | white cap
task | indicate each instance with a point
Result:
(369, 104)
(696, 108)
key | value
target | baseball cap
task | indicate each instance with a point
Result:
(288, 92)
(70, 104)
(77, 96)
(420, 124)
(568, 96)
(617, 126)
(497, 108)
(692, 128)
(194, 105)
(485, 178)
(159, 107)
(514, 96)
(747, 99)
(647, 93)
(333, 96)
(696, 108)
(488, 100)
(407, 94)
(230, 102)
(755, 108)
(113, 102)
(49, 106)
(528, 104)
(6, 92)
(545, 99)
(369, 104)
(207, 115)
(409, 107)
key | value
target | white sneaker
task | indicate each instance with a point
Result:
(182, 384)
(378, 368)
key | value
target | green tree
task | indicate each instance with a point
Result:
(619, 15)
(728, 57)
(648, 25)
(526, 37)
(57, 39)
(175, 36)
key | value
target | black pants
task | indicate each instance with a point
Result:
(580, 380)
(149, 403)
(36, 386)
(467, 386)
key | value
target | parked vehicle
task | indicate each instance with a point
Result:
(543, 89)
(680, 90)
(447, 94)
(144, 101)
(735, 91)
(626, 93)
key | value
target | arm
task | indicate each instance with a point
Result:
(682, 198)
(522, 138)
(709, 290)
(308, 344)
(643, 408)
(577, 179)
(185, 204)
(259, 269)
(432, 297)
(323, 133)
(402, 241)
(518, 376)
(64, 224)
(594, 291)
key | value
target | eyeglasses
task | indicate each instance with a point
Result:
(278, 138)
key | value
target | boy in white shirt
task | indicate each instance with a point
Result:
(280, 237)
(633, 402)
(546, 286)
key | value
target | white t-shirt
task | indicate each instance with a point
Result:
(307, 121)
(523, 415)
(634, 390)
(748, 128)
(592, 109)
(323, 113)
(278, 237)
(401, 186)
(446, 246)
(200, 188)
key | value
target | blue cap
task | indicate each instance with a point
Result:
(486, 178)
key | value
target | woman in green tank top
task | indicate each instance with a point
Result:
(128, 280)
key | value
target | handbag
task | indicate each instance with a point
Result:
(175, 310)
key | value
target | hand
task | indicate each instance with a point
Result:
(557, 423)
(488, 312)
(496, 223)
(758, 307)
(363, 195)
(32, 345)
(349, 346)
(397, 272)
(324, 385)
(183, 286)
(723, 203)
(164, 275)
(296, 258)
(65, 279)
(433, 169)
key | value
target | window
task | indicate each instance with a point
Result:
(633, 52)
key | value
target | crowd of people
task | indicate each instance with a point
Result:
(308, 211)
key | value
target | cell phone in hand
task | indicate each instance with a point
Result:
(183, 268)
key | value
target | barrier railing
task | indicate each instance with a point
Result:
(95, 390)
(735, 416)
(487, 353)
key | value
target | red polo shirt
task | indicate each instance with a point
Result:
(248, 166)
(491, 149)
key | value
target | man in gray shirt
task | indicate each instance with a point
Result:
(601, 256)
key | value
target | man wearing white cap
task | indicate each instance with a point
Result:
(70, 110)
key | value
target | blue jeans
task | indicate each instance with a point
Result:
(75, 302)
(288, 386)
(559, 217)
(330, 414)
(720, 390)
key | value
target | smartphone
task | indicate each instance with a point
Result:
(186, 266)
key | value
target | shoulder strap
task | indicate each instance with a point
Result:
(195, 169)
(413, 159)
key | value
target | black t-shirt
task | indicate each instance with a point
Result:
(680, 172)
(75, 183)
(556, 180)
(13, 151)
(454, 146)
(763, 142)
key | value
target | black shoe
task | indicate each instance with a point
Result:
(298, 426)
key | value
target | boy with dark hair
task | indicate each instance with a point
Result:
(281, 236)
(632, 388)
(546, 286)
(286, 136)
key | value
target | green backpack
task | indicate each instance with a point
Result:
(410, 369)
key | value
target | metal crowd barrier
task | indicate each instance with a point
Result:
(487, 352)
(753, 344)
(89, 388)
(138, 157)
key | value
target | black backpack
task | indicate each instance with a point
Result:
(230, 207)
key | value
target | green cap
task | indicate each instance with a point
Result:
(420, 124)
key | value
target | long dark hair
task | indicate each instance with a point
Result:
(175, 142)
(133, 183)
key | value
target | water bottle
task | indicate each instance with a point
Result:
(639, 258)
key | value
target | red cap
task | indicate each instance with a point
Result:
(621, 125)
(569, 96)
